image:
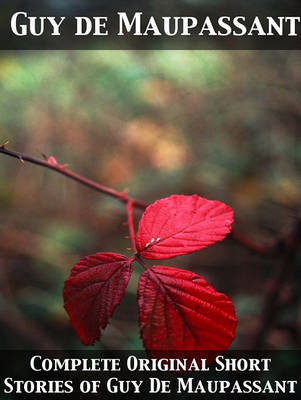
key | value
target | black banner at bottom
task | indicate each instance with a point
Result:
(132, 374)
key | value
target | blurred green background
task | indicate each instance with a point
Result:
(224, 125)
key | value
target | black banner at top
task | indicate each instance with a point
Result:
(181, 24)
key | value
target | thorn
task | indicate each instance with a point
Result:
(4, 144)
(51, 160)
(129, 248)
(21, 159)
(44, 156)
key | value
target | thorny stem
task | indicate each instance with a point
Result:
(129, 208)
(121, 196)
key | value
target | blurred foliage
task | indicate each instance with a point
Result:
(224, 125)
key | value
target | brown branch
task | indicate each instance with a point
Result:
(51, 163)
(258, 248)
(288, 248)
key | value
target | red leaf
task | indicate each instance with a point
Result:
(181, 224)
(93, 290)
(179, 310)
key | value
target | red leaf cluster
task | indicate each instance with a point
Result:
(178, 309)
